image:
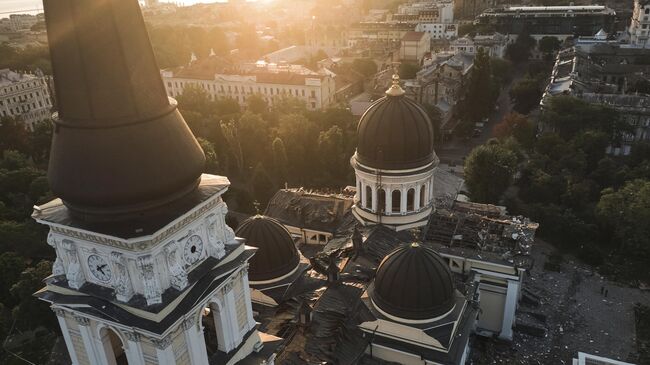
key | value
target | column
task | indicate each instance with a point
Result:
(361, 194)
(374, 198)
(509, 310)
(403, 199)
(164, 350)
(389, 200)
(89, 342)
(231, 306)
(416, 201)
(247, 296)
(195, 342)
(60, 316)
(222, 319)
(134, 348)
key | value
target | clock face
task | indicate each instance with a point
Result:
(99, 268)
(193, 249)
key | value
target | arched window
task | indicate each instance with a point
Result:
(423, 189)
(647, 10)
(368, 197)
(113, 347)
(397, 201)
(410, 200)
(381, 200)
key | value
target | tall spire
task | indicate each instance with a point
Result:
(120, 145)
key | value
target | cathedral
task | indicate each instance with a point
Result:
(148, 272)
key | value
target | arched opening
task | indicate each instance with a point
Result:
(368, 197)
(113, 347)
(381, 200)
(209, 329)
(410, 200)
(423, 203)
(396, 201)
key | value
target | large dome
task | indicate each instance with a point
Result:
(395, 133)
(277, 255)
(413, 283)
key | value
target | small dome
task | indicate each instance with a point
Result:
(413, 283)
(277, 255)
(395, 133)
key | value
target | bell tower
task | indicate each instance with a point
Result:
(146, 270)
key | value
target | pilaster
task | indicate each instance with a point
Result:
(195, 342)
(60, 316)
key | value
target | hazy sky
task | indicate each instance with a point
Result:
(10, 6)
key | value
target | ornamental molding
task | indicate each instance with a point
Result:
(133, 336)
(82, 321)
(162, 343)
(59, 312)
(145, 244)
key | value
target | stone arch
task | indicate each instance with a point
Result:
(114, 345)
(396, 200)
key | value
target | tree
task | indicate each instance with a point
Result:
(40, 141)
(480, 95)
(257, 104)
(501, 70)
(627, 213)
(548, 45)
(11, 265)
(435, 115)
(526, 94)
(519, 51)
(13, 135)
(331, 151)
(489, 170)
(196, 99)
(29, 312)
(280, 161)
(517, 126)
(408, 70)
(211, 161)
(365, 66)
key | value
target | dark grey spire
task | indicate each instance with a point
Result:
(120, 145)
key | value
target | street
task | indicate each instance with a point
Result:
(454, 151)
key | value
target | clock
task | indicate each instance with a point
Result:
(193, 249)
(99, 268)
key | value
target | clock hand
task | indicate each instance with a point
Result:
(100, 268)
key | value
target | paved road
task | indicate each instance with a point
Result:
(455, 150)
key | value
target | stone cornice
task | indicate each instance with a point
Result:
(138, 244)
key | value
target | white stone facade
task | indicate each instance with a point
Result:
(148, 266)
(640, 24)
(144, 265)
(317, 91)
(25, 97)
(402, 199)
(438, 30)
(95, 341)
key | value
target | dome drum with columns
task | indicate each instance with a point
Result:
(394, 162)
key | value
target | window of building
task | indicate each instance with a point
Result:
(368, 197)
(313, 93)
(303, 92)
(313, 105)
(396, 200)
(410, 200)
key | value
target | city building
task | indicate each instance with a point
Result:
(25, 96)
(438, 30)
(442, 83)
(550, 20)
(602, 74)
(223, 78)
(639, 24)
(414, 46)
(494, 44)
(146, 270)
(385, 32)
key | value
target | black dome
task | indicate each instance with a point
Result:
(413, 282)
(277, 254)
(395, 133)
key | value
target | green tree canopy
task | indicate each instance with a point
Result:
(489, 171)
